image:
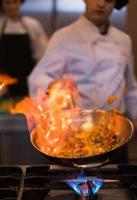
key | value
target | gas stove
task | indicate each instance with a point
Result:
(49, 182)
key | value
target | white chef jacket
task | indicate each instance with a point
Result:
(102, 65)
(35, 30)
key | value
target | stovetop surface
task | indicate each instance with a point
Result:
(46, 182)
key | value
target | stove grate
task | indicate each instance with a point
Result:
(38, 182)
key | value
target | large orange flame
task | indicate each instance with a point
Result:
(54, 117)
(58, 100)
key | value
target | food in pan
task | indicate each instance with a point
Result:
(90, 139)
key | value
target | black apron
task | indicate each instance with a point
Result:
(16, 59)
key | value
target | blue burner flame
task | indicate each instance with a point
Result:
(85, 186)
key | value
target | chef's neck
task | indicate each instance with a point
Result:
(103, 28)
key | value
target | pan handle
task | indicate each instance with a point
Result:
(91, 164)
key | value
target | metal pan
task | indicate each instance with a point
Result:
(119, 124)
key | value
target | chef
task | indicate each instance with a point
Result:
(22, 43)
(97, 55)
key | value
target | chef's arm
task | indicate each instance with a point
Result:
(48, 69)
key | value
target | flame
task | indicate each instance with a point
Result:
(54, 118)
(112, 99)
(30, 108)
(51, 114)
(85, 186)
(6, 80)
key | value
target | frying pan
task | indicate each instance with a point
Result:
(118, 123)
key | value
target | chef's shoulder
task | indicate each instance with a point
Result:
(65, 36)
(33, 24)
(121, 37)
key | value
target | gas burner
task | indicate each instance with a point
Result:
(44, 183)
(85, 187)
